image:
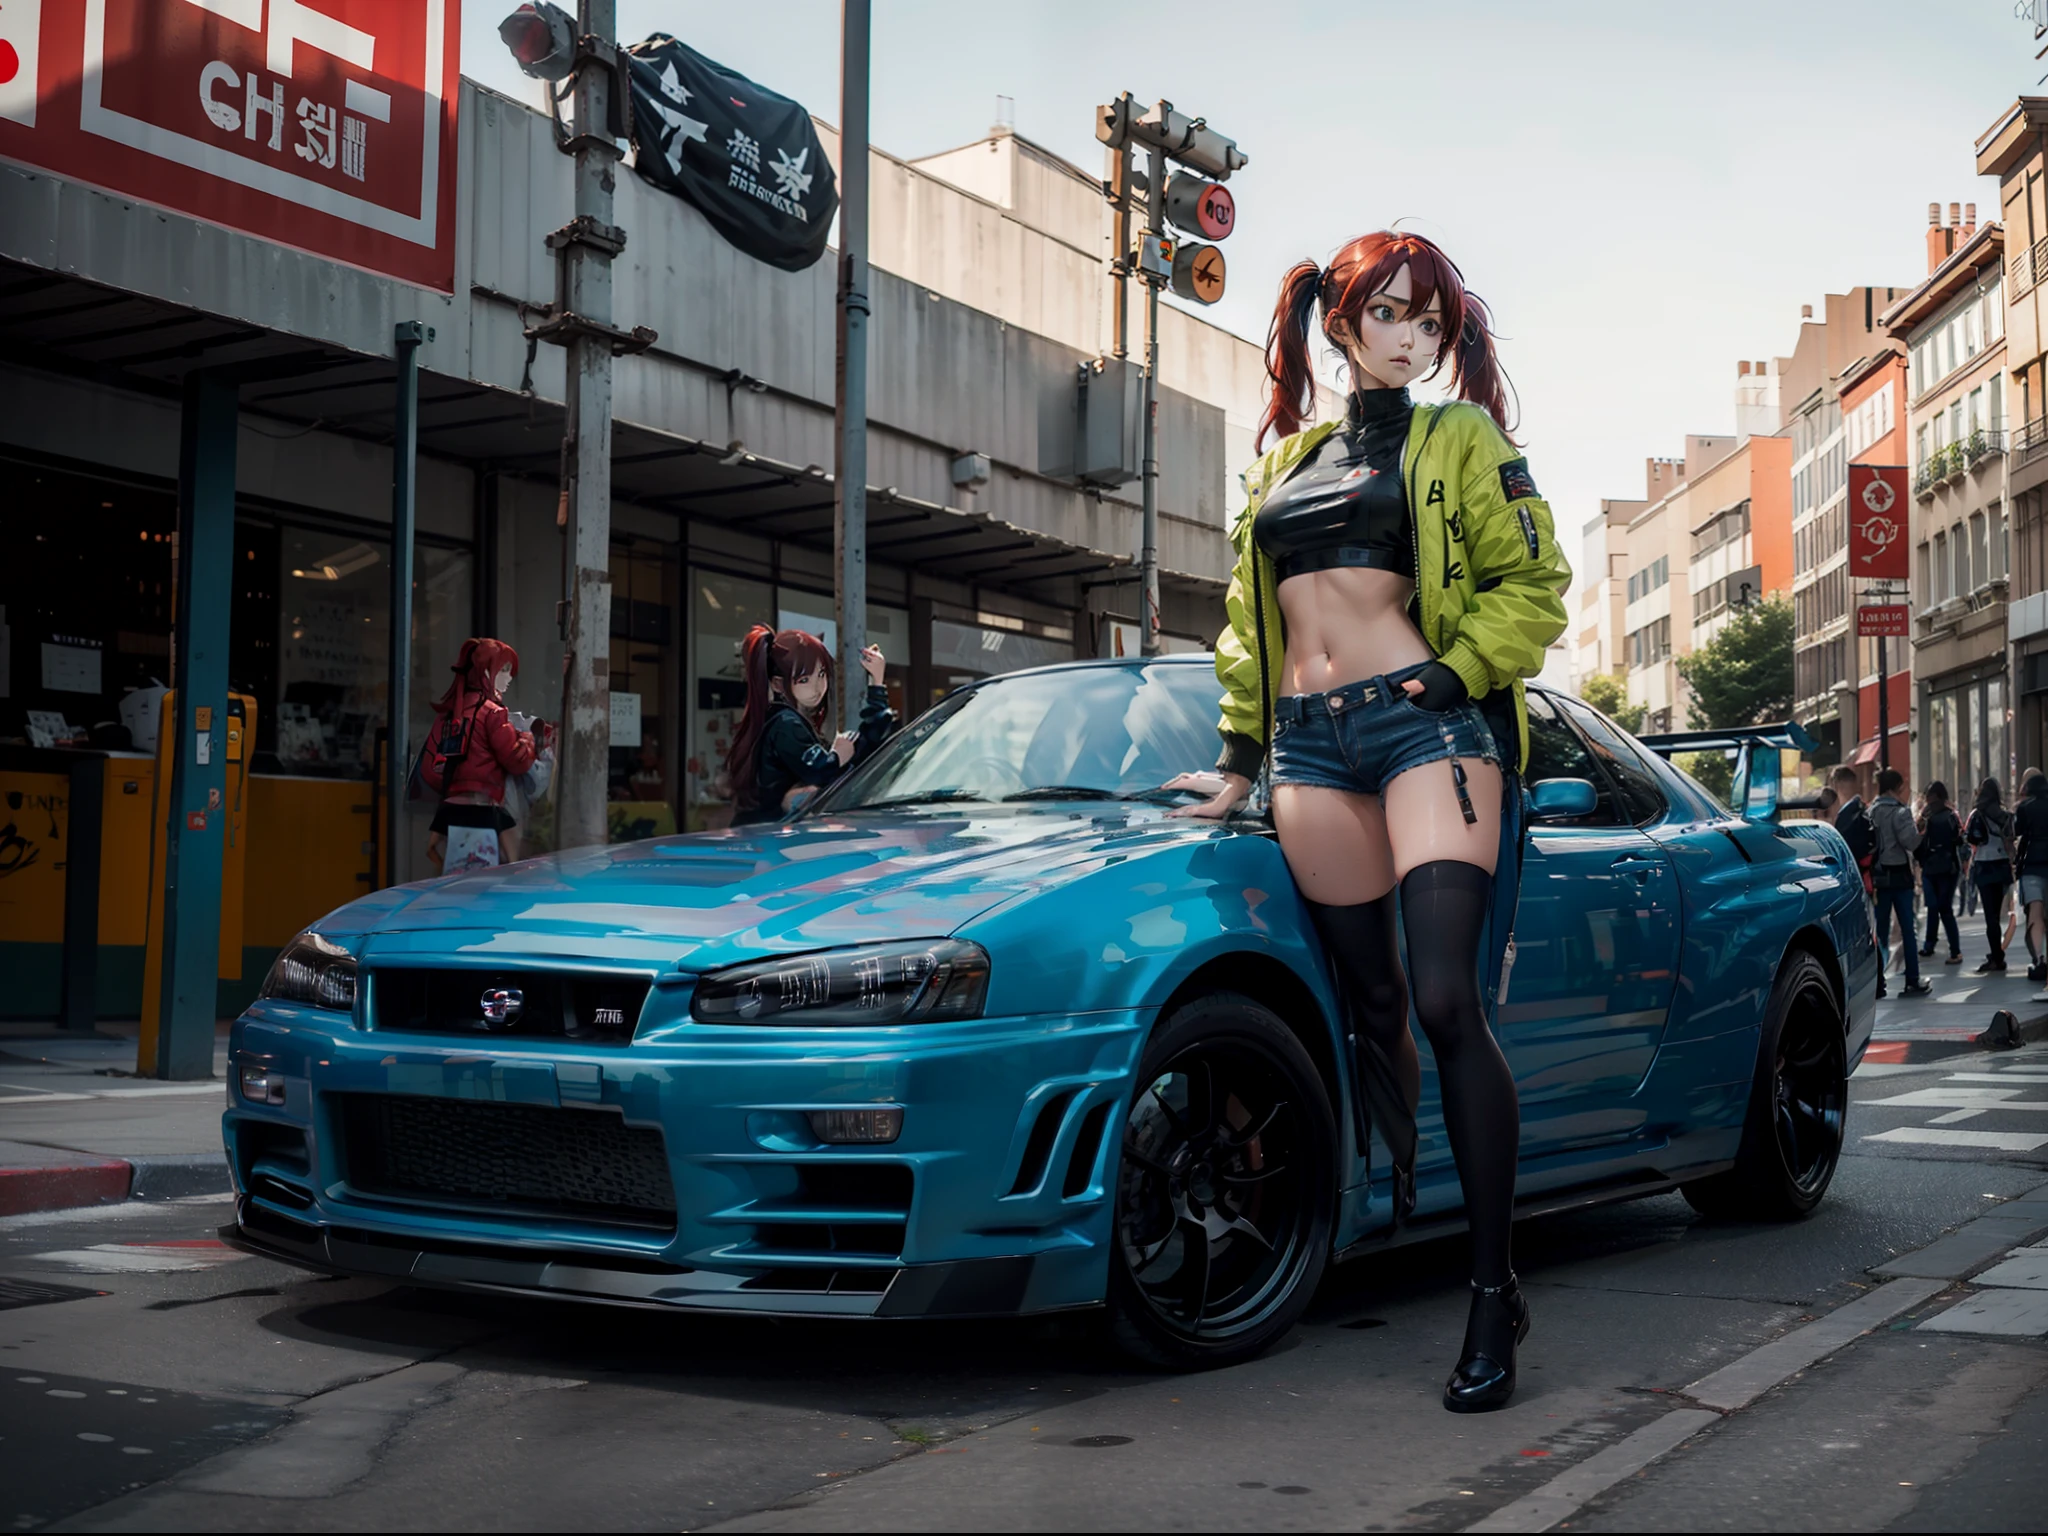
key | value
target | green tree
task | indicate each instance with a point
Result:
(1743, 676)
(1604, 691)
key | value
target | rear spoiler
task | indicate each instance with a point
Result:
(1789, 737)
(1759, 753)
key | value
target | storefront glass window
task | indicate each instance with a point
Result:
(1995, 765)
(722, 610)
(333, 597)
(644, 694)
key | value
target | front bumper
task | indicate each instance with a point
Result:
(994, 1200)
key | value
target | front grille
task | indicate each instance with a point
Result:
(517, 1159)
(554, 1005)
(851, 1208)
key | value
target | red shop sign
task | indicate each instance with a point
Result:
(328, 125)
(1877, 520)
(1889, 619)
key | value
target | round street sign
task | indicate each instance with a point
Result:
(1216, 213)
(1198, 273)
(1200, 207)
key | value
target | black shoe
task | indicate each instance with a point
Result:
(2037, 972)
(1916, 989)
(1926, 950)
(1881, 990)
(1485, 1377)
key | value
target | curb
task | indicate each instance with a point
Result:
(57, 1188)
(106, 1181)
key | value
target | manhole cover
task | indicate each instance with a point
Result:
(1098, 1442)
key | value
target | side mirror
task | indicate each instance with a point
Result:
(1563, 799)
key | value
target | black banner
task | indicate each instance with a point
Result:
(747, 159)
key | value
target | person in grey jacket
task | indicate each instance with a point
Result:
(1891, 871)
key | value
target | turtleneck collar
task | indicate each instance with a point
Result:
(1368, 406)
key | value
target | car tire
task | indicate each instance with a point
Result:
(1229, 1135)
(1792, 1131)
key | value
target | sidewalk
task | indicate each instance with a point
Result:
(78, 1128)
(1963, 1001)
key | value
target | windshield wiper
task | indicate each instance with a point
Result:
(923, 797)
(1153, 796)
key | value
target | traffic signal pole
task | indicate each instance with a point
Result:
(1195, 272)
(1148, 555)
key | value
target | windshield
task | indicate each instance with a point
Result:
(1077, 733)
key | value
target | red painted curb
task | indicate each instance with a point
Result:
(58, 1188)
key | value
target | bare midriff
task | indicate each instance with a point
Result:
(1345, 626)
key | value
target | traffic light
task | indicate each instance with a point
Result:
(542, 38)
(1203, 208)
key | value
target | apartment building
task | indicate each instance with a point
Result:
(1741, 535)
(1657, 608)
(1599, 641)
(2015, 150)
(1954, 327)
(1826, 665)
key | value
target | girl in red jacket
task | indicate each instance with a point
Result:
(491, 747)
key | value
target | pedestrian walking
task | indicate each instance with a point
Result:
(1989, 836)
(2030, 862)
(1852, 819)
(1891, 869)
(1941, 842)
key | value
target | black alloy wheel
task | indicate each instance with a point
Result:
(1225, 1188)
(1792, 1136)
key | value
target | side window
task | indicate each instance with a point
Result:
(1640, 792)
(1555, 752)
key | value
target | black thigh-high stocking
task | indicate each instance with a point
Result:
(1443, 910)
(1363, 946)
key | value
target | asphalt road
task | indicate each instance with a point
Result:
(151, 1379)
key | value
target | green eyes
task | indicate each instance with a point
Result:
(1384, 314)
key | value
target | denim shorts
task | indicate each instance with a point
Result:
(2033, 887)
(1363, 736)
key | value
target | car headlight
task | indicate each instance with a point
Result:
(914, 983)
(313, 970)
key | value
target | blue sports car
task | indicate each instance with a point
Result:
(985, 1032)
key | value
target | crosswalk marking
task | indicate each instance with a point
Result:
(1989, 1141)
(1962, 1098)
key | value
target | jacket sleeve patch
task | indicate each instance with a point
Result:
(1516, 483)
(1529, 532)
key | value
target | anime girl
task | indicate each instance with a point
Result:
(777, 759)
(473, 746)
(1396, 580)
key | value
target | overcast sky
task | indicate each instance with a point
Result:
(1644, 192)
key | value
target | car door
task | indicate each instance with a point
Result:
(1596, 941)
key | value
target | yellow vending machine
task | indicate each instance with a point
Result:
(238, 745)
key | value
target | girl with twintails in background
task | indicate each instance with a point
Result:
(1396, 580)
(778, 759)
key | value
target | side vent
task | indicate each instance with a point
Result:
(1081, 1166)
(1038, 1149)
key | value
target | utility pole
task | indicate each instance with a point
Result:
(586, 290)
(1193, 271)
(550, 47)
(850, 375)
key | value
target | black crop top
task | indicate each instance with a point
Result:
(1345, 504)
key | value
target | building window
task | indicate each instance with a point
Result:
(1924, 584)
(1980, 550)
(1997, 419)
(1994, 305)
(1961, 548)
(1920, 447)
(1998, 544)
(1941, 568)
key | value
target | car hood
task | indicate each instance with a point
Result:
(715, 898)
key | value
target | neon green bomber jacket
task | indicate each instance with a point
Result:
(1490, 579)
